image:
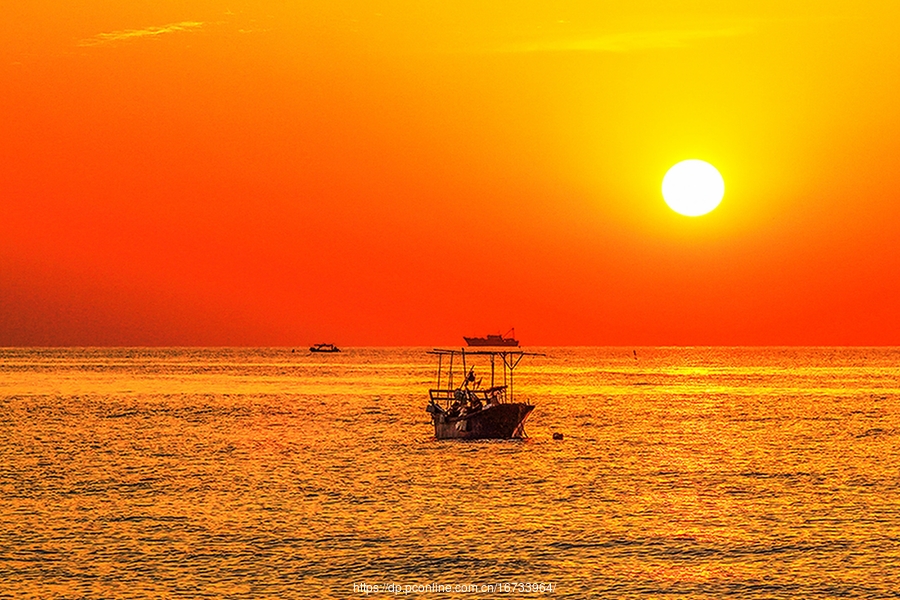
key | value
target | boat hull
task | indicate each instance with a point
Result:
(500, 421)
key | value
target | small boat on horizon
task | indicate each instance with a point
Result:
(471, 412)
(494, 340)
(324, 348)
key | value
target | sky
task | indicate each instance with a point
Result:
(207, 172)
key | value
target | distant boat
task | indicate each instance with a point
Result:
(494, 340)
(469, 412)
(324, 348)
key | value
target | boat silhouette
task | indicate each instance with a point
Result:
(324, 348)
(470, 411)
(494, 340)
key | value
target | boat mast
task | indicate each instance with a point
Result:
(511, 363)
(464, 373)
(492, 370)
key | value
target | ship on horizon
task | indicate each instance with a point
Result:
(507, 339)
(324, 348)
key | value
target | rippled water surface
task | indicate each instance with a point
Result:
(266, 473)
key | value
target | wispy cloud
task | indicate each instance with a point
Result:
(628, 42)
(130, 34)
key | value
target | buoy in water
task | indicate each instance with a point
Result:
(557, 436)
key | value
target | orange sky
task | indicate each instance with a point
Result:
(203, 172)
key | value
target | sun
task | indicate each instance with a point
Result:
(693, 188)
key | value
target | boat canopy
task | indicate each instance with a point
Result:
(510, 359)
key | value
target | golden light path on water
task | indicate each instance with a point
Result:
(259, 473)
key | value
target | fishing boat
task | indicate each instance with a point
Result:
(324, 348)
(466, 409)
(494, 340)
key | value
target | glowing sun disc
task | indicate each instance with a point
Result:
(693, 188)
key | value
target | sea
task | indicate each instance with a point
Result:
(682, 472)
